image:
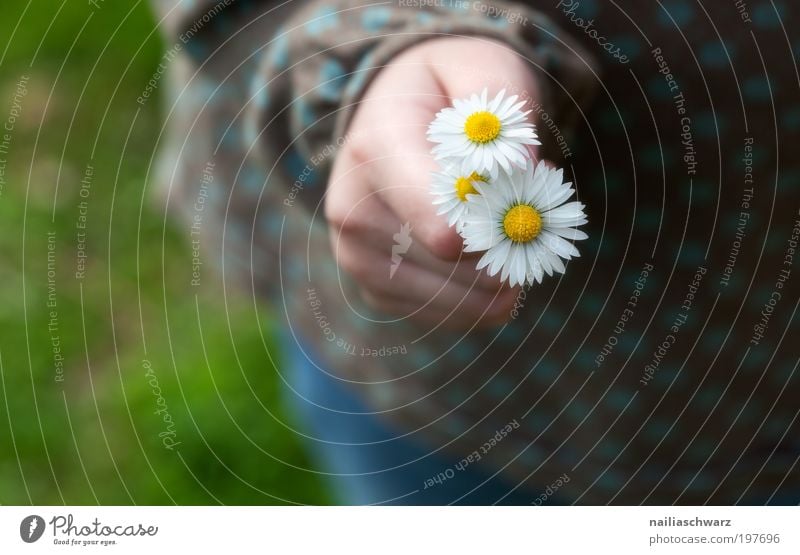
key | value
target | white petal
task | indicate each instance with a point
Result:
(561, 247)
(500, 255)
(569, 233)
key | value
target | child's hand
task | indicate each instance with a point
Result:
(380, 181)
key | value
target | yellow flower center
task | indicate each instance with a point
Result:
(482, 127)
(464, 186)
(522, 223)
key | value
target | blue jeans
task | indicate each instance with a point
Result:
(366, 461)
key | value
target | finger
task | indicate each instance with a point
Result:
(501, 67)
(358, 212)
(384, 233)
(402, 279)
(450, 294)
(374, 234)
(351, 206)
(462, 270)
(365, 217)
(393, 144)
(495, 66)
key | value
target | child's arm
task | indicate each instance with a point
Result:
(275, 97)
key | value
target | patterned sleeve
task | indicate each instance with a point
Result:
(325, 55)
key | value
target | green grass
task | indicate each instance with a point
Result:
(94, 437)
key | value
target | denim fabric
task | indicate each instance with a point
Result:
(366, 460)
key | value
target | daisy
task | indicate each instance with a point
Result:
(450, 189)
(483, 135)
(523, 224)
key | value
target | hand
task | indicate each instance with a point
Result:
(379, 187)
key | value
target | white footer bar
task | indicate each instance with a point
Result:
(400, 530)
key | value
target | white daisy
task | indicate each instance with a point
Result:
(483, 135)
(523, 224)
(450, 189)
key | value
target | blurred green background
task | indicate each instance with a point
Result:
(94, 437)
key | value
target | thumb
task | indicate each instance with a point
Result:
(486, 64)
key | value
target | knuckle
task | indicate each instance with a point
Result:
(368, 298)
(495, 316)
(350, 264)
(371, 300)
(489, 283)
(501, 310)
(353, 223)
(333, 213)
(342, 216)
(360, 270)
(358, 149)
(490, 310)
(377, 301)
(443, 241)
(334, 209)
